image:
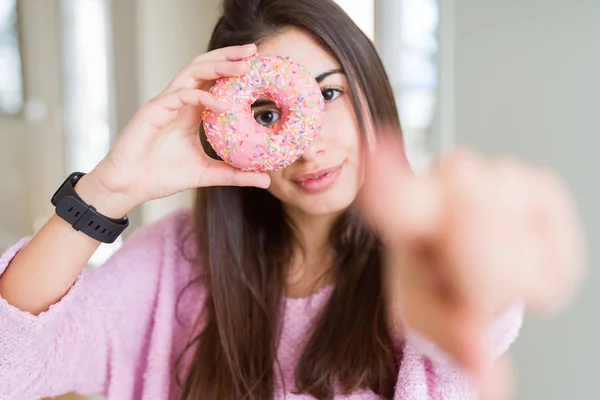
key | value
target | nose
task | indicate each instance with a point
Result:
(315, 151)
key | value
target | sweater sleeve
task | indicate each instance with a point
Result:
(103, 320)
(428, 372)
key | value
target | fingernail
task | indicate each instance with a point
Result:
(249, 46)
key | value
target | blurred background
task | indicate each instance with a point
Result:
(507, 77)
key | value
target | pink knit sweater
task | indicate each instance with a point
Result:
(118, 330)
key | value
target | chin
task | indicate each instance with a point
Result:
(334, 202)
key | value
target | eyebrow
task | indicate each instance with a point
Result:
(262, 103)
(319, 79)
(324, 75)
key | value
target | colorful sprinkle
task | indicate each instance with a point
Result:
(249, 146)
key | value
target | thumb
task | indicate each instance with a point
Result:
(219, 173)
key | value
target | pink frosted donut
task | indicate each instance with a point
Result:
(244, 143)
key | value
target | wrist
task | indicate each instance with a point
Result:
(107, 202)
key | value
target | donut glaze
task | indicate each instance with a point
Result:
(247, 145)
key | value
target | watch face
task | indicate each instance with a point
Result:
(66, 187)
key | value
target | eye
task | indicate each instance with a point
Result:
(267, 117)
(331, 94)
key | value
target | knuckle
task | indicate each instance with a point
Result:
(189, 70)
(453, 161)
(197, 59)
(157, 98)
(153, 103)
(224, 66)
(456, 166)
(181, 92)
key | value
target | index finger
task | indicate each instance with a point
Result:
(231, 53)
(196, 75)
(212, 65)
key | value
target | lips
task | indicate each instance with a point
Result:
(319, 180)
(314, 175)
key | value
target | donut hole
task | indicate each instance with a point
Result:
(266, 113)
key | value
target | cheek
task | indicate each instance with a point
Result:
(346, 143)
(342, 131)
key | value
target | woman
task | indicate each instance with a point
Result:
(275, 286)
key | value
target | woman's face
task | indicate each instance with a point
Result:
(326, 179)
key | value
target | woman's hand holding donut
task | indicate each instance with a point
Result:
(159, 152)
(469, 240)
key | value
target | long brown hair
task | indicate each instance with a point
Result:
(245, 245)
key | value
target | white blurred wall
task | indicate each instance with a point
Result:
(31, 142)
(527, 83)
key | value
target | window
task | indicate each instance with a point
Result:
(362, 13)
(418, 95)
(11, 79)
(405, 33)
(87, 90)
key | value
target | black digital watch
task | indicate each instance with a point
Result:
(84, 217)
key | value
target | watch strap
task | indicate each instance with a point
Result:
(84, 217)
